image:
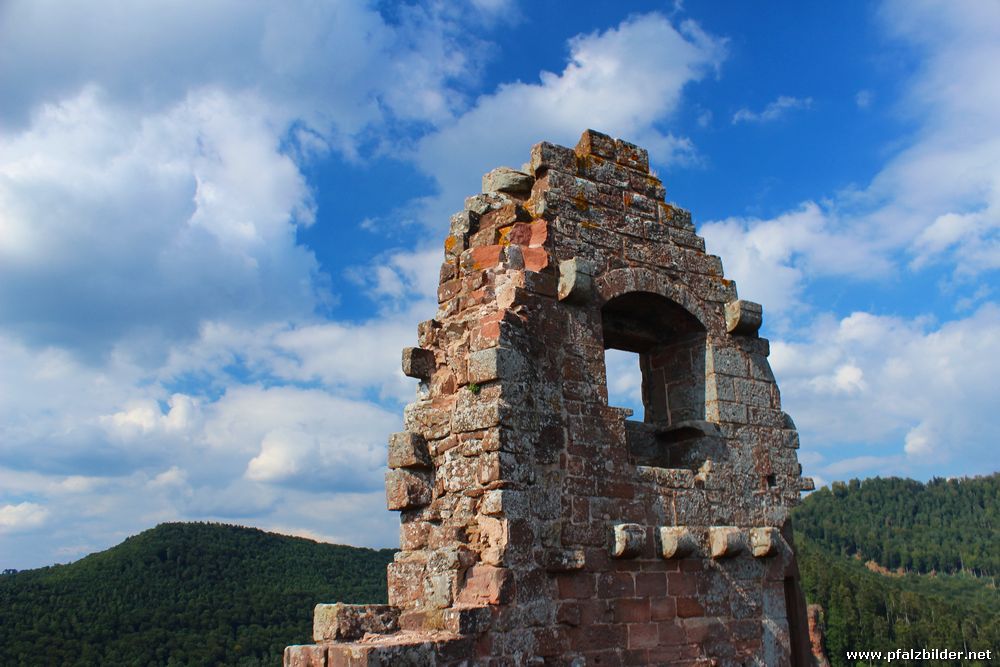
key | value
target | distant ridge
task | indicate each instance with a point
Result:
(917, 533)
(944, 525)
(182, 594)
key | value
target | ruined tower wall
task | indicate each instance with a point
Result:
(539, 525)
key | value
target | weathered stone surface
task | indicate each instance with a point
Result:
(408, 450)
(529, 506)
(305, 656)
(495, 363)
(565, 560)
(505, 179)
(418, 363)
(817, 632)
(352, 621)
(405, 489)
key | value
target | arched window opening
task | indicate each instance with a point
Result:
(670, 345)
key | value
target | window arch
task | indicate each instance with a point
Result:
(670, 343)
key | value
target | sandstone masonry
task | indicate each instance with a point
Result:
(542, 526)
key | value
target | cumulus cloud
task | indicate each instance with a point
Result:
(919, 391)
(772, 260)
(21, 516)
(114, 225)
(624, 81)
(777, 109)
(339, 67)
(936, 201)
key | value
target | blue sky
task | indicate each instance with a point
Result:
(220, 221)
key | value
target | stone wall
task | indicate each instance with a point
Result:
(539, 525)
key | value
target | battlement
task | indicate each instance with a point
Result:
(540, 525)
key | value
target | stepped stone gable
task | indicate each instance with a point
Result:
(541, 526)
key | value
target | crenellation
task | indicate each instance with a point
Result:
(540, 525)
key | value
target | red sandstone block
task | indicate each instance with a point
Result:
(671, 634)
(577, 585)
(305, 655)
(485, 257)
(449, 290)
(568, 613)
(593, 612)
(632, 610)
(692, 565)
(631, 156)
(485, 584)
(535, 259)
(529, 234)
(689, 607)
(615, 585)
(673, 654)
(651, 584)
(636, 656)
(681, 584)
(598, 637)
(663, 609)
(596, 143)
(613, 489)
(551, 641)
(643, 635)
(504, 217)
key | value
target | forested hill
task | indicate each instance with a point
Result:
(922, 532)
(182, 594)
(942, 526)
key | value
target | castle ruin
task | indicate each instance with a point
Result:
(539, 524)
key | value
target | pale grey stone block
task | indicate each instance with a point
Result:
(677, 542)
(505, 179)
(725, 541)
(576, 280)
(630, 539)
(743, 318)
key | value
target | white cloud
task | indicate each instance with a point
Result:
(113, 225)
(21, 516)
(934, 204)
(623, 81)
(773, 111)
(340, 67)
(302, 436)
(864, 98)
(921, 394)
(772, 260)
